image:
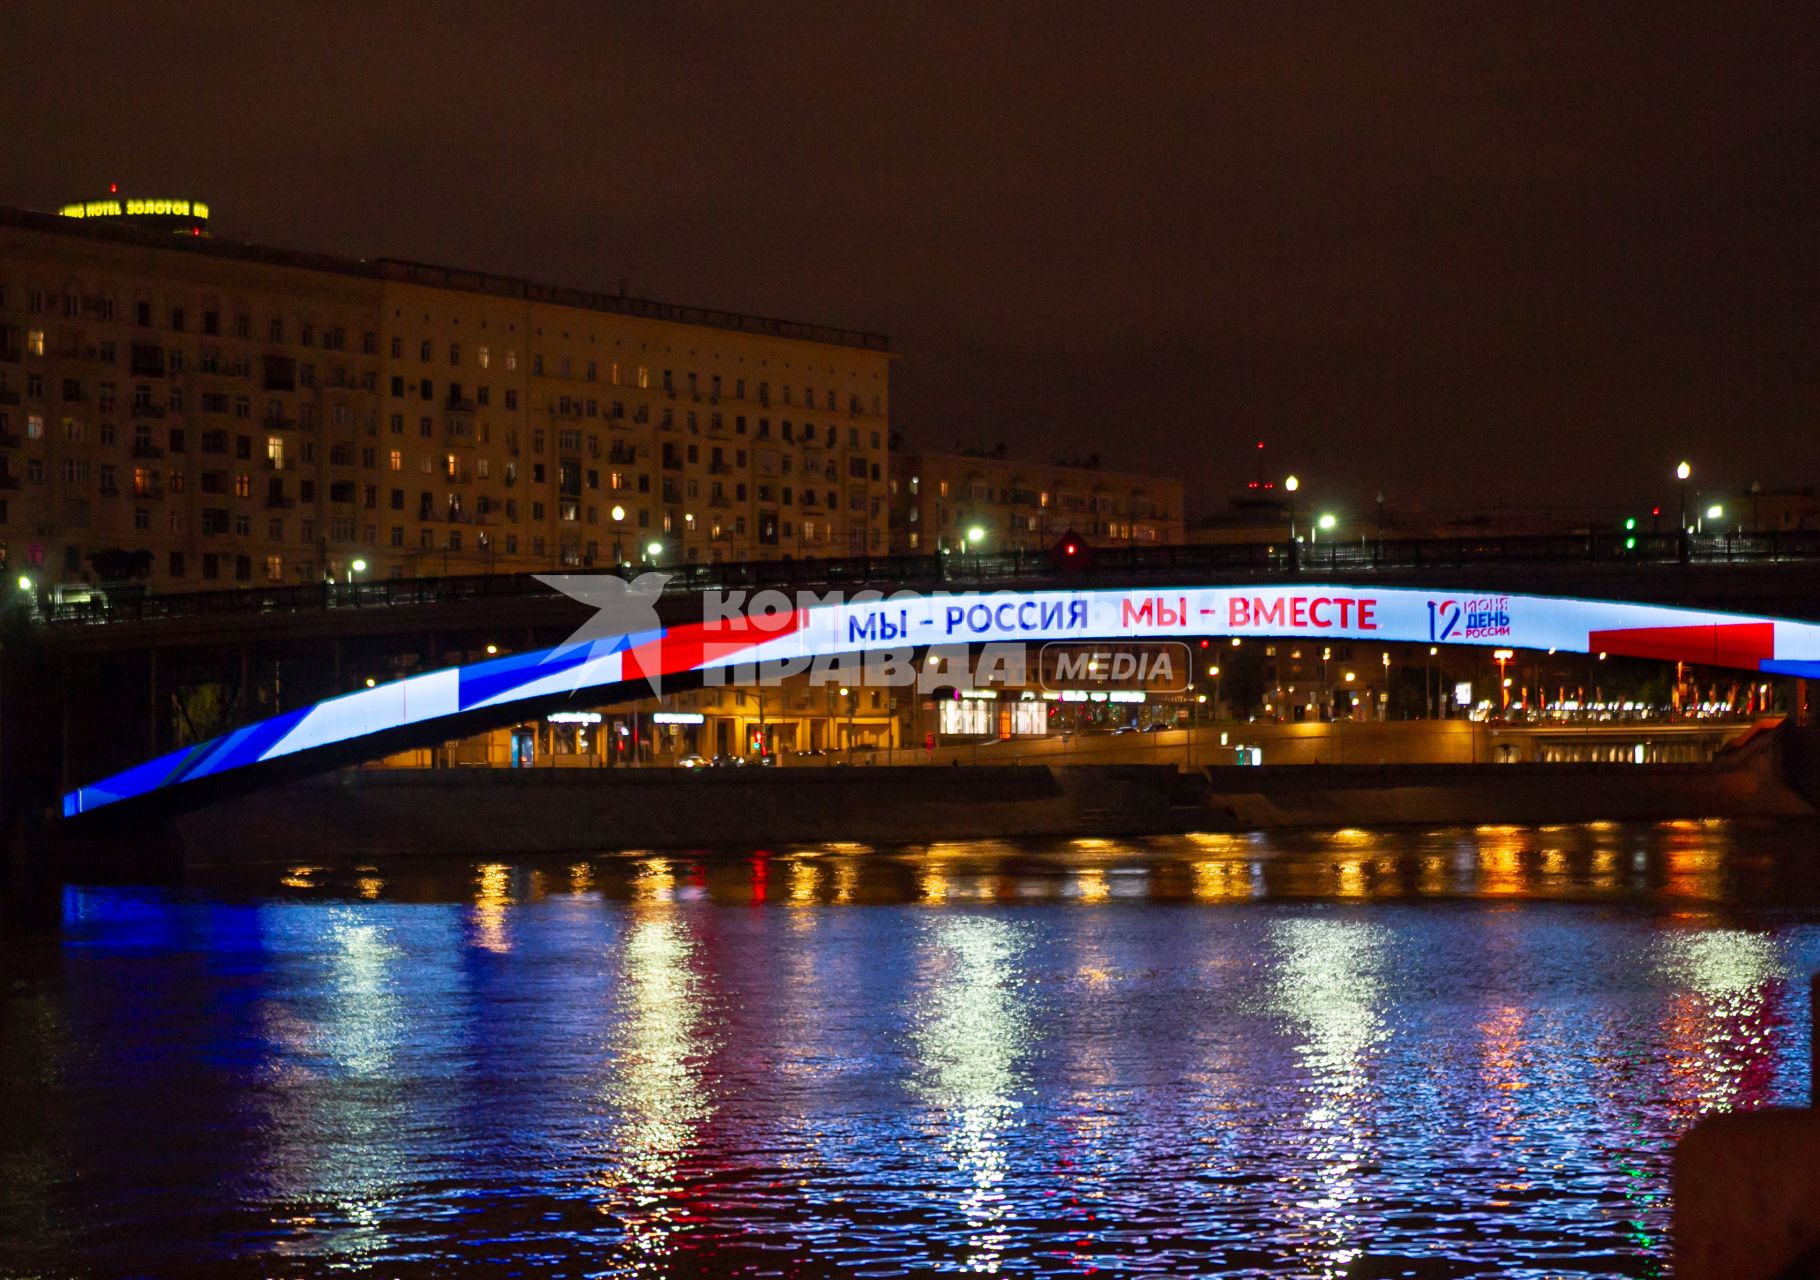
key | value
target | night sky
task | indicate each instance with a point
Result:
(1454, 252)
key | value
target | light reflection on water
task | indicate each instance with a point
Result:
(1452, 1053)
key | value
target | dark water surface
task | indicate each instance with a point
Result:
(1454, 1053)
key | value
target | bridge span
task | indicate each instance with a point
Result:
(437, 705)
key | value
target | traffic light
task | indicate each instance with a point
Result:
(1071, 551)
(1630, 523)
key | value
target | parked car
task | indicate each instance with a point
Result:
(692, 761)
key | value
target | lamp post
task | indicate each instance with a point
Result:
(1503, 657)
(1291, 484)
(1682, 472)
(354, 567)
(976, 534)
(1214, 671)
(618, 513)
(654, 550)
(1324, 525)
(1431, 685)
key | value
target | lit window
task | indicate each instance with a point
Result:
(396, 460)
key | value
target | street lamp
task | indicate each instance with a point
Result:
(653, 550)
(618, 513)
(1214, 671)
(975, 535)
(25, 583)
(354, 567)
(1291, 485)
(1503, 657)
(1324, 525)
(1682, 472)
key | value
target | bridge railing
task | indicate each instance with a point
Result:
(968, 570)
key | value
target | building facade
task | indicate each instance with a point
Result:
(938, 499)
(230, 415)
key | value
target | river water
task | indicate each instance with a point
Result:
(1463, 1052)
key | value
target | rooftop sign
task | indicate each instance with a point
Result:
(133, 207)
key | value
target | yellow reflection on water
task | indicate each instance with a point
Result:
(1222, 879)
(370, 886)
(1092, 886)
(581, 877)
(932, 885)
(846, 880)
(1501, 860)
(804, 876)
(654, 881)
(1693, 870)
(491, 897)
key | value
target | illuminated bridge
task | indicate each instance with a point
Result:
(1577, 600)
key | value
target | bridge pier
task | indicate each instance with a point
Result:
(28, 777)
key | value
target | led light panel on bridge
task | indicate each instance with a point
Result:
(1316, 611)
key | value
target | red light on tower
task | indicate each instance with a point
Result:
(113, 188)
(1655, 511)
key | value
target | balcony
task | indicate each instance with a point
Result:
(109, 491)
(269, 463)
(275, 423)
(148, 491)
(458, 404)
(8, 397)
(279, 502)
(146, 449)
(141, 410)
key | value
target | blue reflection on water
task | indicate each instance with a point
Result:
(1442, 1054)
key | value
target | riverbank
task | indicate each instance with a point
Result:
(490, 813)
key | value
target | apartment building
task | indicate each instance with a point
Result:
(938, 500)
(229, 414)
